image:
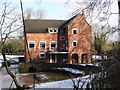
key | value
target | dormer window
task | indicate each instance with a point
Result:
(52, 30)
(55, 31)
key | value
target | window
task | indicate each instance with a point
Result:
(53, 45)
(75, 57)
(55, 31)
(42, 45)
(31, 45)
(33, 59)
(62, 49)
(74, 31)
(51, 30)
(42, 55)
(74, 43)
(84, 58)
(62, 38)
(66, 45)
(61, 31)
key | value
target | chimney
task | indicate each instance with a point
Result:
(83, 14)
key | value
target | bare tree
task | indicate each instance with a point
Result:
(9, 24)
(95, 11)
(119, 19)
(40, 14)
(28, 13)
(100, 11)
(37, 14)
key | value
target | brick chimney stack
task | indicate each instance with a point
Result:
(83, 14)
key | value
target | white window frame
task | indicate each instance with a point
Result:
(62, 37)
(50, 31)
(55, 44)
(34, 45)
(42, 57)
(73, 31)
(55, 30)
(73, 44)
(45, 45)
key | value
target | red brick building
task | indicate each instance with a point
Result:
(54, 41)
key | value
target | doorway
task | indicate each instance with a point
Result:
(75, 58)
(53, 58)
(84, 58)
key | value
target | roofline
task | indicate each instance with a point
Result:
(48, 19)
(84, 18)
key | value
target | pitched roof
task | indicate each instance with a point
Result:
(68, 21)
(40, 25)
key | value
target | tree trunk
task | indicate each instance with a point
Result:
(9, 72)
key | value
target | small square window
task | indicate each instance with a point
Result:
(74, 43)
(42, 55)
(62, 38)
(74, 31)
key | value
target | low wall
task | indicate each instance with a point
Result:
(38, 67)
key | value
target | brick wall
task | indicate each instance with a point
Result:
(83, 38)
(37, 37)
